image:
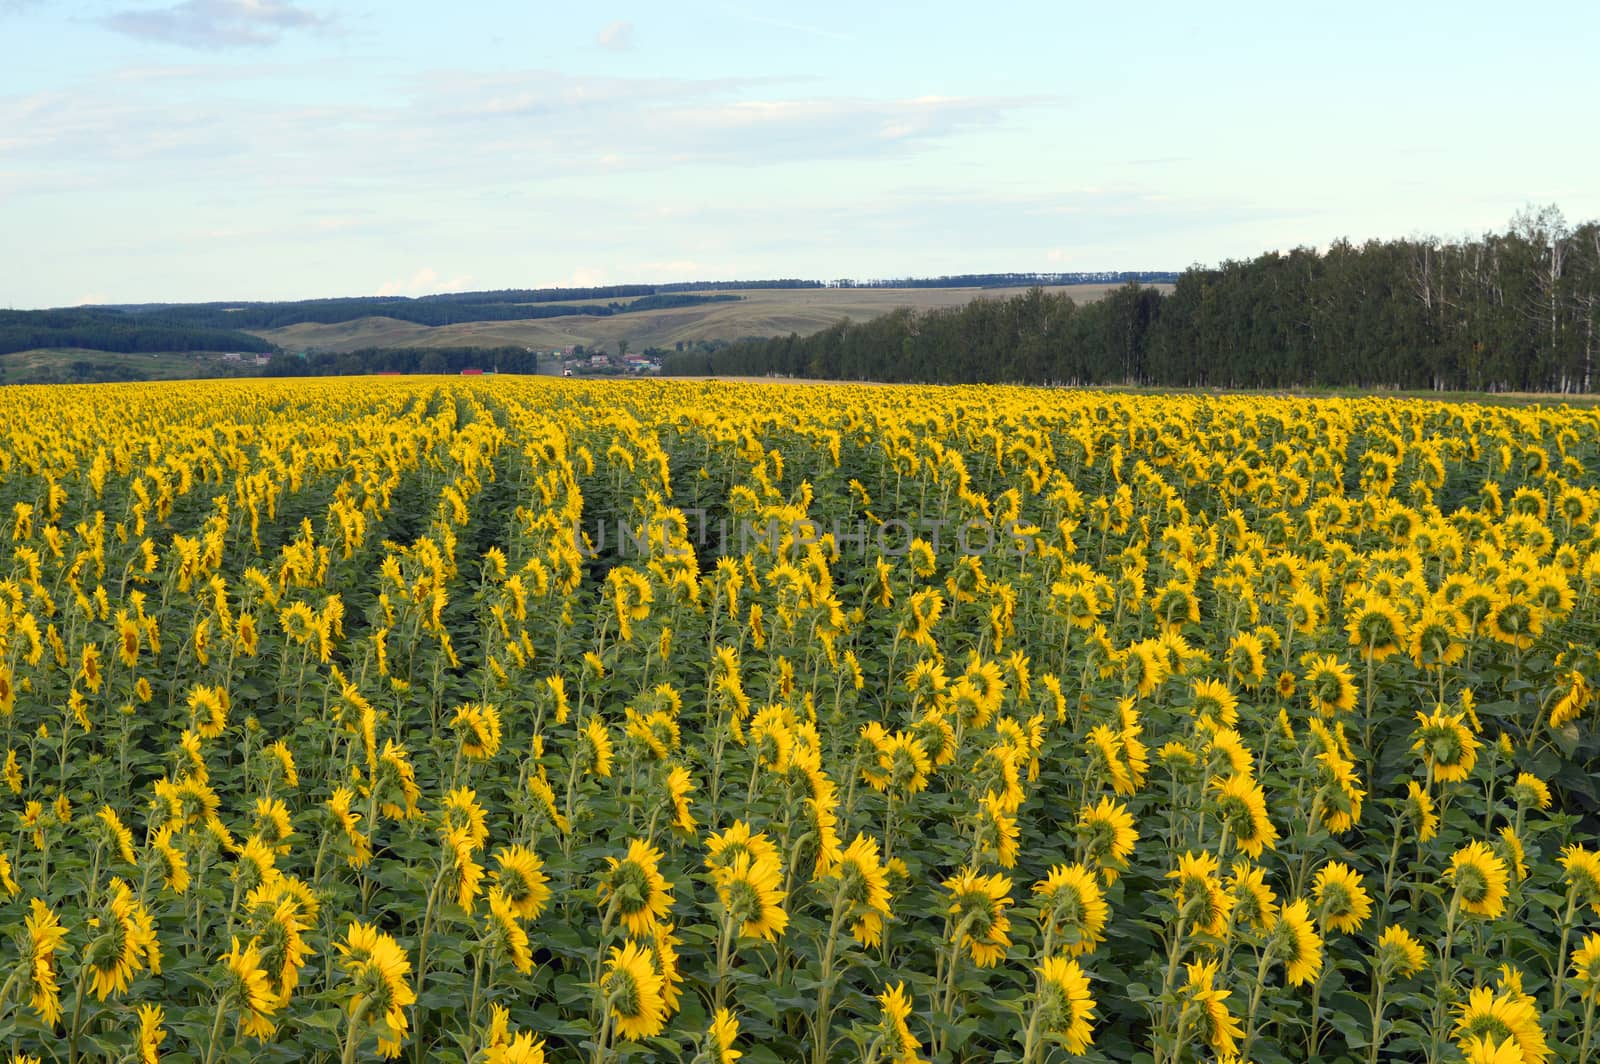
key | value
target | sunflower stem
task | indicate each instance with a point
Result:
(1376, 1041)
(216, 1027)
(1441, 998)
(1588, 1029)
(1559, 991)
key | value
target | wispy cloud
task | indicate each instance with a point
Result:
(425, 281)
(617, 37)
(786, 25)
(462, 127)
(213, 24)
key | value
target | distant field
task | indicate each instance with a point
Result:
(55, 364)
(762, 312)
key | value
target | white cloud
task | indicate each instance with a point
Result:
(580, 277)
(463, 129)
(216, 23)
(425, 281)
(617, 37)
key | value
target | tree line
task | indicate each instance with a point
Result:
(424, 311)
(1517, 310)
(108, 330)
(404, 360)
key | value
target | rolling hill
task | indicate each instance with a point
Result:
(758, 312)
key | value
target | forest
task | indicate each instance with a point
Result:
(405, 360)
(424, 311)
(109, 330)
(1516, 310)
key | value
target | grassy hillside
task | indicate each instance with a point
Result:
(58, 365)
(760, 312)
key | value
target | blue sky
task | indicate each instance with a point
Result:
(180, 150)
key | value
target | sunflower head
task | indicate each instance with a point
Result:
(1398, 954)
(1064, 1003)
(1342, 902)
(1480, 880)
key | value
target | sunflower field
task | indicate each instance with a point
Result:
(537, 720)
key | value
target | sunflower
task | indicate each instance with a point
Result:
(1133, 749)
(1065, 1007)
(1218, 1026)
(1203, 904)
(1434, 639)
(904, 1048)
(1342, 902)
(520, 1048)
(43, 936)
(635, 888)
(208, 710)
(927, 683)
(594, 748)
(1104, 746)
(505, 935)
(723, 847)
(1246, 660)
(521, 880)
(125, 946)
(119, 836)
(151, 1033)
(924, 609)
(996, 835)
(1515, 621)
(1418, 810)
(750, 895)
(1144, 667)
(1399, 953)
(247, 988)
(901, 765)
(1254, 904)
(821, 822)
(1514, 853)
(1530, 790)
(1108, 835)
(464, 874)
(863, 887)
(720, 1036)
(1243, 807)
(1293, 939)
(1576, 694)
(1175, 604)
(1214, 702)
(89, 669)
(477, 726)
(273, 828)
(631, 595)
(460, 811)
(394, 771)
(1329, 685)
(663, 947)
(632, 990)
(1501, 1017)
(1446, 744)
(1582, 869)
(657, 732)
(679, 786)
(378, 969)
(1376, 628)
(1480, 880)
(349, 825)
(1586, 966)
(1482, 1050)
(279, 754)
(1072, 908)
